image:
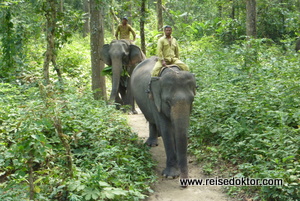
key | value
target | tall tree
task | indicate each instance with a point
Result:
(251, 18)
(86, 25)
(142, 25)
(61, 6)
(8, 49)
(97, 41)
(251, 33)
(159, 15)
(50, 8)
(114, 20)
(232, 15)
(220, 9)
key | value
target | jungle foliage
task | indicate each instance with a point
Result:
(108, 161)
(57, 143)
(246, 112)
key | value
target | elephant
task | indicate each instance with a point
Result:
(166, 103)
(121, 55)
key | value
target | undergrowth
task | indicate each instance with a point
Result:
(109, 161)
(247, 113)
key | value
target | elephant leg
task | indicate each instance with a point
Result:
(129, 100)
(153, 134)
(118, 102)
(171, 169)
(122, 92)
(120, 98)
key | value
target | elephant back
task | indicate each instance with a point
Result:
(172, 67)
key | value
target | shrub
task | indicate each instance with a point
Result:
(250, 114)
(109, 161)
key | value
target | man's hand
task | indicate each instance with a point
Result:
(164, 63)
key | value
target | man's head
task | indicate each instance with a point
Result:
(168, 30)
(124, 20)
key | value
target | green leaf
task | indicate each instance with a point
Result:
(90, 193)
(103, 184)
(80, 187)
(107, 71)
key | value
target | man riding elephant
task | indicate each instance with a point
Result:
(125, 29)
(168, 53)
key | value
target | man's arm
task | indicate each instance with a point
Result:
(117, 32)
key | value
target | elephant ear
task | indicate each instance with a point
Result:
(135, 55)
(156, 92)
(104, 55)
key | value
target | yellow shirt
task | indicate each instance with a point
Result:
(125, 32)
(167, 50)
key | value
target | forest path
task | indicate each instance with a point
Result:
(169, 189)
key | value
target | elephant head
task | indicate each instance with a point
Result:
(120, 54)
(173, 94)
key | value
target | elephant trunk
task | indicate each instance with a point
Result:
(180, 114)
(116, 76)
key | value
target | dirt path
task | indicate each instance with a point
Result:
(169, 189)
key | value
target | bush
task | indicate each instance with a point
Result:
(249, 112)
(109, 161)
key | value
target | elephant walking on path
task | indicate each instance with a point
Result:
(122, 56)
(167, 108)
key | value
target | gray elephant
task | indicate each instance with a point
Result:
(167, 107)
(121, 55)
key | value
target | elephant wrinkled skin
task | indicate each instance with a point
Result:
(121, 55)
(167, 107)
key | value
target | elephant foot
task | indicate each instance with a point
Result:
(184, 176)
(171, 172)
(151, 142)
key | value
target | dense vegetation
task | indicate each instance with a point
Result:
(108, 160)
(248, 114)
(58, 143)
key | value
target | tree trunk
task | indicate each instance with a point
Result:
(86, 25)
(282, 16)
(298, 3)
(59, 130)
(220, 9)
(31, 179)
(251, 18)
(251, 57)
(142, 26)
(114, 15)
(237, 10)
(61, 6)
(159, 15)
(50, 56)
(233, 10)
(114, 19)
(97, 41)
